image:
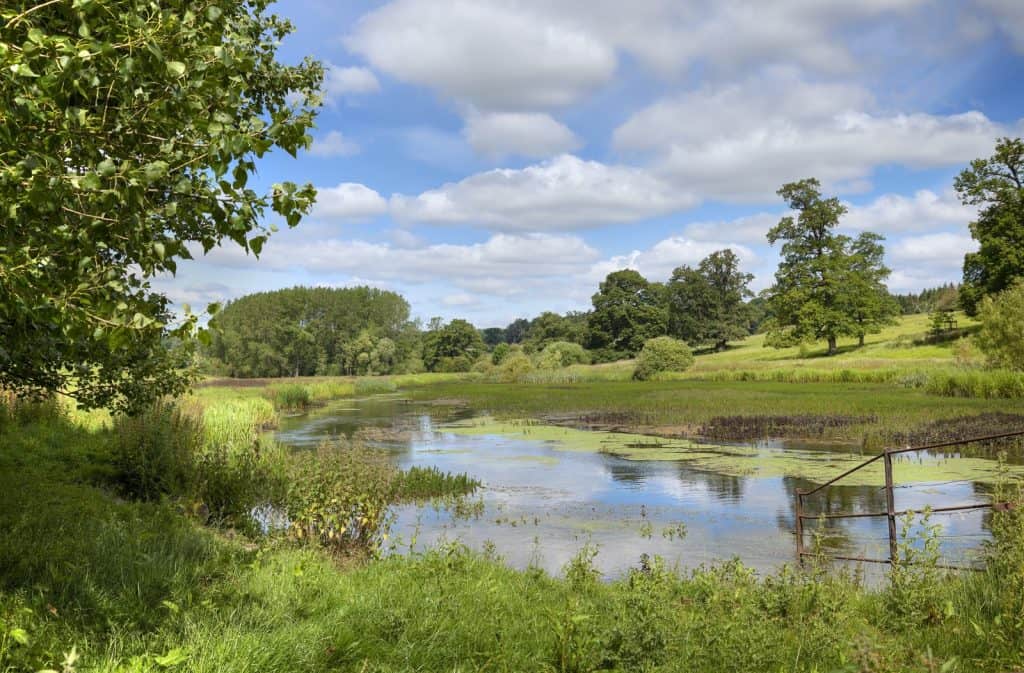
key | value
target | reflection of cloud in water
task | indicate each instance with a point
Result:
(543, 502)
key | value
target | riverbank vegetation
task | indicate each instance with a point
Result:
(184, 596)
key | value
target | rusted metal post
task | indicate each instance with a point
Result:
(890, 506)
(800, 526)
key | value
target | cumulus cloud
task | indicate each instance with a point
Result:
(657, 262)
(943, 247)
(924, 211)
(564, 193)
(750, 229)
(740, 142)
(527, 134)
(342, 81)
(348, 201)
(334, 144)
(495, 55)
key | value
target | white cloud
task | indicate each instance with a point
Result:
(940, 248)
(334, 144)
(495, 55)
(343, 81)
(460, 299)
(924, 211)
(349, 201)
(741, 142)
(657, 262)
(750, 229)
(563, 193)
(528, 134)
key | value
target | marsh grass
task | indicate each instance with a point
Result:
(374, 386)
(288, 396)
(423, 483)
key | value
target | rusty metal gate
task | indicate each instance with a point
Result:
(890, 511)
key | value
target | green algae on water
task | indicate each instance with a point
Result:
(741, 461)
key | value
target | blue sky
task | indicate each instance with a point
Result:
(492, 159)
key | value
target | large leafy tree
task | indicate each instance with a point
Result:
(128, 134)
(996, 185)
(827, 284)
(457, 339)
(706, 305)
(628, 310)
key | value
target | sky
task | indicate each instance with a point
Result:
(493, 159)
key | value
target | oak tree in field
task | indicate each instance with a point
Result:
(706, 305)
(628, 310)
(996, 185)
(452, 347)
(129, 130)
(827, 285)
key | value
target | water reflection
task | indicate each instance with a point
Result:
(541, 504)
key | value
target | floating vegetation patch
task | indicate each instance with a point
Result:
(742, 461)
(765, 427)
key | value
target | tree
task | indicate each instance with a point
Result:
(1002, 327)
(129, 131)
(662, 354)
(492, 336)
(706, 305)
(996, 185)
(457, 339)
(827, 285)
(871, 305)
(517, 331)
(627, 311)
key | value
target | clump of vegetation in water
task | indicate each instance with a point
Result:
(374, 386)
(288, 396)
(423, 483)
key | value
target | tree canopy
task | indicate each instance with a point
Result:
(827, 284)
(128, 134)
(996, 185)
(706, 305)
(305, 331)
(628, 310)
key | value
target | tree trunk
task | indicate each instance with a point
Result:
(860, 340)
(832, 345)
(720, 346)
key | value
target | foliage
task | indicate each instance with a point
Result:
(929, 299)
(558, 354)
(423, 483)
(305, 331)
(549, 327)
(996, 186)
(662, 354)
(1001, 337)
(154, 452)
(369, 386)
(130, 131)
(514, 367)
(706, 305)
(499, 353)
(452, 347)
(628, 310)
(827, 284)
(338, 496)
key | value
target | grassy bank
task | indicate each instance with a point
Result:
(140, 586)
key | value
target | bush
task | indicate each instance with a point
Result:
(558, 354)
(662, 354)
(154, 452)
(602, 355)
(457, 364)
(501, 352)
(1001, 337)
(514, 367)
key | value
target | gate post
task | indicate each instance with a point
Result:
(890, 507)
(800, 526)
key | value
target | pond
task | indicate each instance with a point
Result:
(544, 497)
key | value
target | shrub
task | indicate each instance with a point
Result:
(558, 354)
(501, 352)
(1001, 337)
(514, 367)
(457, 364)
(662, 354)
(154, 452)
(602, 355)
(231, 480)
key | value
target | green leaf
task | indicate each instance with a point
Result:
(160, 250)
(213, 13)
(214, 308)
(35, 35)
(23, 70)
(172, 658)
(107, 167)
(176, 68)
(19, 636)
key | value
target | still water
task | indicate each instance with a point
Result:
(541, 503)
